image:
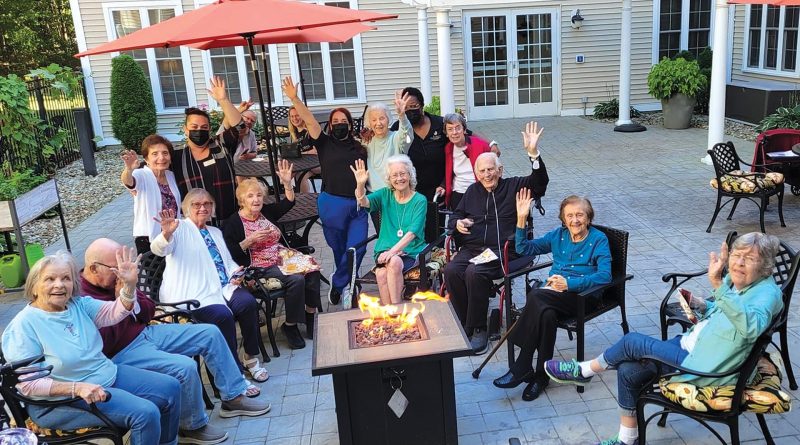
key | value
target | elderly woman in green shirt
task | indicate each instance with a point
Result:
(402, 225)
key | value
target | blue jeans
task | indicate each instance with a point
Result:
(344, 225)
(626, 354)
(167, 348)
(242, 307)
(146, 403)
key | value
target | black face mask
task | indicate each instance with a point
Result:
(340, 131)
(414, 116)
(199, 137)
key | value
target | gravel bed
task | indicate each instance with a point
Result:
(81, 195)
(734, 128)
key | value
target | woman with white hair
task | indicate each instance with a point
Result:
(380, 142)
(402, 230)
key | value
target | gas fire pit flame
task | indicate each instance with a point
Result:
(401, 320)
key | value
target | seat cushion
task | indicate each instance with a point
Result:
(736, 184)
(271, 283)
(435, 265)
(762, 396)
(41, 431)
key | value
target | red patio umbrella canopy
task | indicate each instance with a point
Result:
(332, 33)
(230, 18)
(766, 2)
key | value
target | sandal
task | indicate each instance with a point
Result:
(252, 390)
(256, 371)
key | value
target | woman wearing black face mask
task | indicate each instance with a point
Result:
(207, 162)
(344, 223)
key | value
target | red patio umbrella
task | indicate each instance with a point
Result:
(243, 18)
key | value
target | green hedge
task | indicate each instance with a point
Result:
(133, 112)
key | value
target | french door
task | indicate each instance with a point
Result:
(511, 59)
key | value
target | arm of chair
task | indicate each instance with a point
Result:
(677, 279)
(422, 260)
(601, 287)
(179, 306)
(307, 250)
(351, 256)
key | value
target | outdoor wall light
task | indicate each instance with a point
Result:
(577, 20)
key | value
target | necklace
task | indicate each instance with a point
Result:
(400, 220)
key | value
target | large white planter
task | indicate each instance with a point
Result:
(677, 111)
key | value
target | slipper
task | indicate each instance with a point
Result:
(256, 371)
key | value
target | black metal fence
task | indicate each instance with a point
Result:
(54, 107)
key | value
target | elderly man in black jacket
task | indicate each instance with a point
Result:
(484, 219)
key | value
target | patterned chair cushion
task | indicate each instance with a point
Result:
(271, 283)
(762, 396)
(41, 431)
(733, 182)
(434, 266)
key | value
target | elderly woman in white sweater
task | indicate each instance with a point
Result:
(153, 186)
(199, 266)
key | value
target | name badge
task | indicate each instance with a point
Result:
(211, 161)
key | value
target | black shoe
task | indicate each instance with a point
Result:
(509, 380)
(534, 390)
(293, 336)
(479, 341)
(310, 325)
(334, 296)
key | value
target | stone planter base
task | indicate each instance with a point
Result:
(678, 111)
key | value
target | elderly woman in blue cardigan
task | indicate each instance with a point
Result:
(581, 259)
(745, 302)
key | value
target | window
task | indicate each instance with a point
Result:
(332, 72)
(233, 65)
(682, 25)
(166, 68)
(225, 65)
(772, 38)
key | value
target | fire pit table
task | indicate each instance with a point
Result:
(398, 393)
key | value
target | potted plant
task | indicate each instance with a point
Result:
(676, 83)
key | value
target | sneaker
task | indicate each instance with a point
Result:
(293, 336)
(347, 301)
(479, 341)
(206, 435)
(334, 295)
(242, 406)
(615, 441)
(566, 372)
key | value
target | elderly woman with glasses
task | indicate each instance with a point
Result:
(383, 143)
(746, 300)
(62, 326)
(401, 237)
(460, 155)
(199, 266)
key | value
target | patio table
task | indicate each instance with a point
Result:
(259, 167)
(302, 215)
(788, 163)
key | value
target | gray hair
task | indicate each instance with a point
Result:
(35, 274)
(455, 118)
(490, 155)
(194, 194)
(377, 106)
(767, 247)
(405, 160)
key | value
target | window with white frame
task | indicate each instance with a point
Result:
(332, 72)
(233, 65)
(772, 38)
(164, 67)
(683, 25)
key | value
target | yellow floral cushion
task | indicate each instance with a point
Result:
(762, 396)
(41, 431)
(434, 266)
(734, 182)
(271, 283)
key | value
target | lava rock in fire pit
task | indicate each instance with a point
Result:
(384, 332)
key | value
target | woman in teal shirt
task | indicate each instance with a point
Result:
(581, 259)
(402, 229)
(746, 300)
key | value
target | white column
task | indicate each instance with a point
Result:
(625, 66)
(716, 103)
(445, 62)
(424, 53)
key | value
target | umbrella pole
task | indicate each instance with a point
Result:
(269, 95)
(300, 70)
(271, 155)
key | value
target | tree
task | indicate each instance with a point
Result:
(133, 112)
(36, 33)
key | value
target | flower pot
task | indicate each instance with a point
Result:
(677, 111)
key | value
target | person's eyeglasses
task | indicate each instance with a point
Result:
(104, 265)
(458, 129)
(199, 205)
(748, 260)
(399, 175)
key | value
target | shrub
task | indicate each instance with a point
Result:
(704, 62)
(133, 112)
(435, 107)
(610, 110)
(11, 186)
(783, 117)
(668, 77)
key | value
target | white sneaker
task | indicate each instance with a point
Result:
(347, 298)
